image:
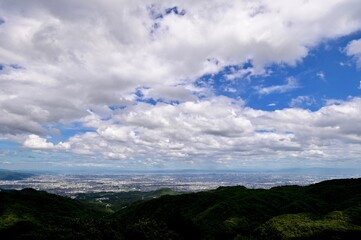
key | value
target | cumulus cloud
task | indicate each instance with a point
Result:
(354, 49)
(87, 55)
(35, 142)
(93, 63)
(222, 128)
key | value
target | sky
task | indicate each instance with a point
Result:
(147, 85)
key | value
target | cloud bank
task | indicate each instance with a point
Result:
(126, 70)
(219, 130)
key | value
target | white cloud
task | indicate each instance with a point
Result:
(169, 93)
(354, 49)
(85, 55)
(212, 130)
(301, 101)
(321, 75)
(291, 84)
(75, 60)
(345, 64)
(35, 142)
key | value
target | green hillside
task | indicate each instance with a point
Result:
(331, 208)
(113, 201)
(328, 210)
(31, 214)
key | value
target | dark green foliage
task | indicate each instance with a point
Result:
(150, 230)
(31, 214)
(115, 201)
(328, 210)
(237, 212)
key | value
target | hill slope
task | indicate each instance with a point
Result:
(328, 210)
(31, 214)
(331, 209)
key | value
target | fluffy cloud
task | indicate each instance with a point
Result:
(354, 49)
(222, 129)
(36, 142)
(79, 55)
(80, 62)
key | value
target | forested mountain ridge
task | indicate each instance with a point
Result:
(326, 210)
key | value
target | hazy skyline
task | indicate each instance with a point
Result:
(180, 84)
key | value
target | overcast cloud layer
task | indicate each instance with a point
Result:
(123, 74)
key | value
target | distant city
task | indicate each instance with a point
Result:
(70, 185)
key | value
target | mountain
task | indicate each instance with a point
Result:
(327, 210)
(31, 214)
(11, 175)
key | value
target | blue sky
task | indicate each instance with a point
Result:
(326, 73)
(152, 85)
